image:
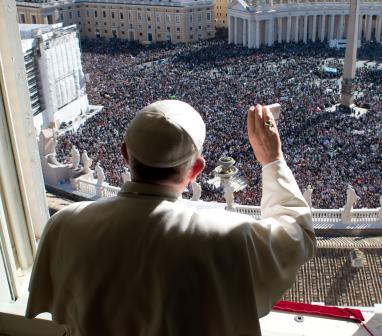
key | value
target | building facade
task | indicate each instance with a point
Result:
(265, 22)
(31, 69)
(56, 81)
(146, 21)
(221, 13)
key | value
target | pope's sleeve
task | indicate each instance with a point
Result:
(41, 282)
(282, 240)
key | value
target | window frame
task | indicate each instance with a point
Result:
(23, 214)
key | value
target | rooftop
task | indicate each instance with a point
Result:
(330, 278)
(170, 3)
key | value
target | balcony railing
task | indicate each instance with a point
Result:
(322, 218)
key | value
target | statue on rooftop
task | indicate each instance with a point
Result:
(196, 191)
(308, 195)
(228, 195)
(52, 159)
(86, 162)
(75, 154)
(126, 176)
(100, 174)
(351, 199)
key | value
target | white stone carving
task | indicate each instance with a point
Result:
(47, 142)
(126, 176)
(228, 195)
(100, 174)
(196, 191)
(52, 159)
(86, 162)
(308, 195)
(75, 154)
(351, 199)
(54, 172)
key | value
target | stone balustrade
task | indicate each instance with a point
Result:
(87, 187)
(109, 191)
(322, 218)
(253, 211)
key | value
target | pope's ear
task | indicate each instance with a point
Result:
(197, 168)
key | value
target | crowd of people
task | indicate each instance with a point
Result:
(326, 149)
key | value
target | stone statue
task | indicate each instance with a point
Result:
(47, 141)
(52, 159)
(126, 176)
(75, 157)
(380, 210)
(351, 199)
(308, 195)
(228, 195)
(100, 174)
(196, 191)
(86, 162)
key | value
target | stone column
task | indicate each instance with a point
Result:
(245, 32)
(239, 39)
(251, 35)
(340, 34)
(279, 29)
(360, 27)
(289, 24)
(257, 34)
(231, 30)
(350, 55)
(236, 30)
(322, 35)
(305, 37)
(296, 27)
(368, 30)
(271, 31)
(314, 28)
(241, 31)
(378, 29)
(331, 28)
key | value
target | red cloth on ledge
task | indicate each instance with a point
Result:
(311, 309)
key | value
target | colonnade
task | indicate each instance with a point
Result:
(256, 31)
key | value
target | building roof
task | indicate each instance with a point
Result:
(29, 31)
(166, 3)
(330, 278)
(349, 242)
